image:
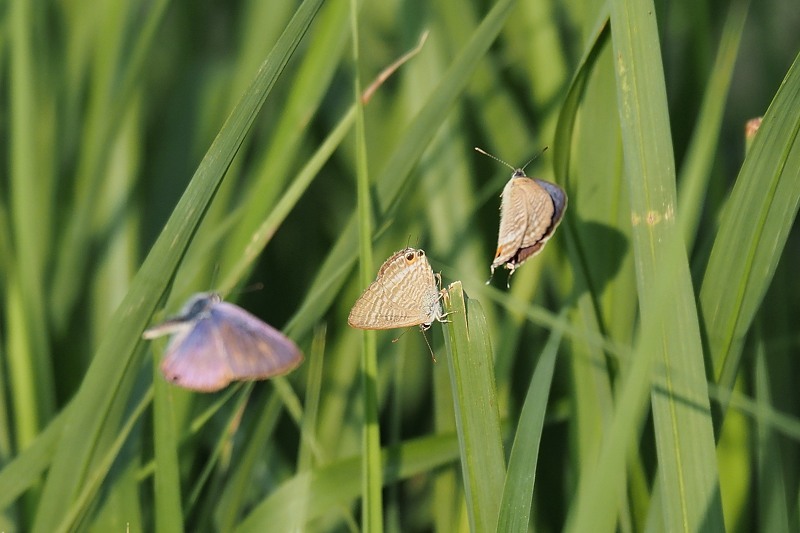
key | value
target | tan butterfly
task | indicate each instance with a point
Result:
(405, 293)
(530, 211)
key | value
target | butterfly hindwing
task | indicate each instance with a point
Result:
(193, 359)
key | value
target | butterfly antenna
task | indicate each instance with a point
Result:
(484, 152)
(536, 156)
(423, 336)
(253, 287)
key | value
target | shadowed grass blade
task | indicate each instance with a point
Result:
(515, 508)
(315, 492)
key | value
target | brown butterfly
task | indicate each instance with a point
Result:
(530, 211)
(405, 293)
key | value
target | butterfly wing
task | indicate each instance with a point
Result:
(252, 348)
(398, 298)
(195, 359)
(548, 202)
(513, 219)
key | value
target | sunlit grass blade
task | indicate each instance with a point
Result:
(372, 499)
(471, 365)
(588, 161)
(753, 230)
(31, 191)
(115, 364)
(685, 443)
(167, 479)
(515, 508)
(318, 491)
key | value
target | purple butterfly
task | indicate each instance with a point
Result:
(215, 342)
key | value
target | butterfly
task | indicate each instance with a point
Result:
(405, 293)
(530, 211)
(215, 342)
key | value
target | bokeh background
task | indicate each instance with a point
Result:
(110, 110)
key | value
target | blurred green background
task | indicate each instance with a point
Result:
(158, 149)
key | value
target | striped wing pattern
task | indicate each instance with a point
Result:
(404, 294)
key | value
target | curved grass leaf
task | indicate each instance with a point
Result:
(753, 230)
(515, 508)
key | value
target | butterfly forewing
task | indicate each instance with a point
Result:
(513, 221)
(253, 349)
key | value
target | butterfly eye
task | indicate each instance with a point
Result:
(420, 253)
(409, 257)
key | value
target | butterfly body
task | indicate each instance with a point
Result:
(215, 342)
(404, 294)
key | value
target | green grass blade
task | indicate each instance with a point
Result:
(515, 508)
(118, 70)
(753, 230)
(309, 86)
(116, 361)
(314, 493)
(19, 474)
(681, 410)
(772, 493)
(372, 500)
(95, 477)
(471, 365)
(696, 171)
(596, 505)
(227, 509)
(167, 481)
(31, 194)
